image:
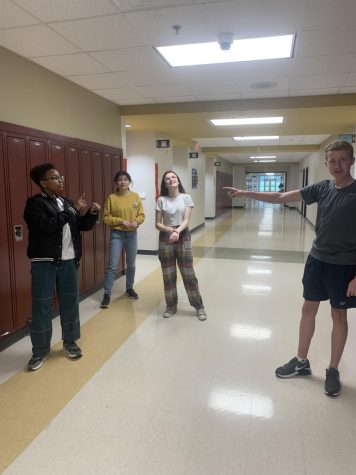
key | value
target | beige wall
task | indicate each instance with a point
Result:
(35, 97)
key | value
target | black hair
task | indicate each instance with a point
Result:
(164, 189)
(37, 173)
(122, 173)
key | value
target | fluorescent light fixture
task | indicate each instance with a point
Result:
(251, 49)
(266, 161)
(128, 126)
(248, 121)
(258, 137)
(263, 156)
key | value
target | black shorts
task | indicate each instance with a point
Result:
(324, 281)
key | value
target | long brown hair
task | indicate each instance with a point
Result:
(164, 189)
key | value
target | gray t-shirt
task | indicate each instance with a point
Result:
(173, 208)
(335, 241)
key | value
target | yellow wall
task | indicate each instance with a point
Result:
(35, 97)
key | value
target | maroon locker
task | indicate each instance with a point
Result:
(108, 182)
(57, 157)
(88, 262)
(18, 193)
(37, 155)
(6, 320)
(99, 233)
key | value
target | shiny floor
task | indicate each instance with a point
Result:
(177, 396)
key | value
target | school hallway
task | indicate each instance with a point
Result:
(177, 396)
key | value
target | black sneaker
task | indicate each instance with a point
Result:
(294, 368)
(332, 382)
(72, 350)
(106, 301)
(131, 294)
(36, 363)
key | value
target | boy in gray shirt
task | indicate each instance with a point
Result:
(330, 270)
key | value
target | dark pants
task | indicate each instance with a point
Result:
(45, 276)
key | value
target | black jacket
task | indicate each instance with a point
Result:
(45, 227)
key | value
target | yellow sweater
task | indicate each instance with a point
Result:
(119, 208)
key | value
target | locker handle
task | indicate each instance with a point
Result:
(18, 232)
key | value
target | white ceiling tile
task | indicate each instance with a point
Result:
(255, 94)
(133, 5)
(153, 76)
(100, 81)
(71, 64)
(218, 97)
(129, 102)
(67, 9)
(101, 33)
(347, 90)
(163, 90)
(126, 93)
(11, 15)
(34, 41)
(330, 14)
(213, 87)
(129, 59)
(175, 99)
(326, 42)
(322, 81)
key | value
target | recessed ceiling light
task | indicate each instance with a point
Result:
(266, 161)
(248, 121)
(258, 137)
(251, 49)
(263, 156)
(128, 126)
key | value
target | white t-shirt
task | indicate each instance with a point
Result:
(67, 243)
(173, 208)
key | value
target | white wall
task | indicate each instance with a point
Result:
(210, 188)
(142, 155)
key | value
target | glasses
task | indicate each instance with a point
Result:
(54, 178)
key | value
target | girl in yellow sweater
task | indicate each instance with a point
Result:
(123, 212)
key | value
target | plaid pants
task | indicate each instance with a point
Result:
(180, 252)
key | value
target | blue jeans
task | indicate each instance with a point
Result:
(121, 240)
(45, 277)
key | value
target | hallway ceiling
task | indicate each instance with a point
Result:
(106, 46)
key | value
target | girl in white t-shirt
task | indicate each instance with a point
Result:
(173, 211)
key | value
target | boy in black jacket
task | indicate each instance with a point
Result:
(54, 248)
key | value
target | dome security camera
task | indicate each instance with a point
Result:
(225, 41)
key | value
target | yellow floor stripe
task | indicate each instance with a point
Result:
(29, 401)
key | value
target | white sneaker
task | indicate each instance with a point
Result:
(169, 312)
(201, 314)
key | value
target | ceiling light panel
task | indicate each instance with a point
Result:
(247, 121)
(251, 49)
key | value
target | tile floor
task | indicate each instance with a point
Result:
(184, 397)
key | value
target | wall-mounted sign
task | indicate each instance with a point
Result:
(217, 164)
(163, 143)
(347, 138)
(193, 155)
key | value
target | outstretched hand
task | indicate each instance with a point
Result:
(232, 192)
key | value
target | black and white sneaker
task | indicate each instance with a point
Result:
(294, 368)
(131, 294)
(36, 362)
(72, 350)
(106, 301)
(332, 385)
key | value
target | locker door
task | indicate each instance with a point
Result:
(72, 180)
(37, 156)
(88, 263)
(108, 182)
(6, 314)
(18, 192)
(98, 196)
(57, 157)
